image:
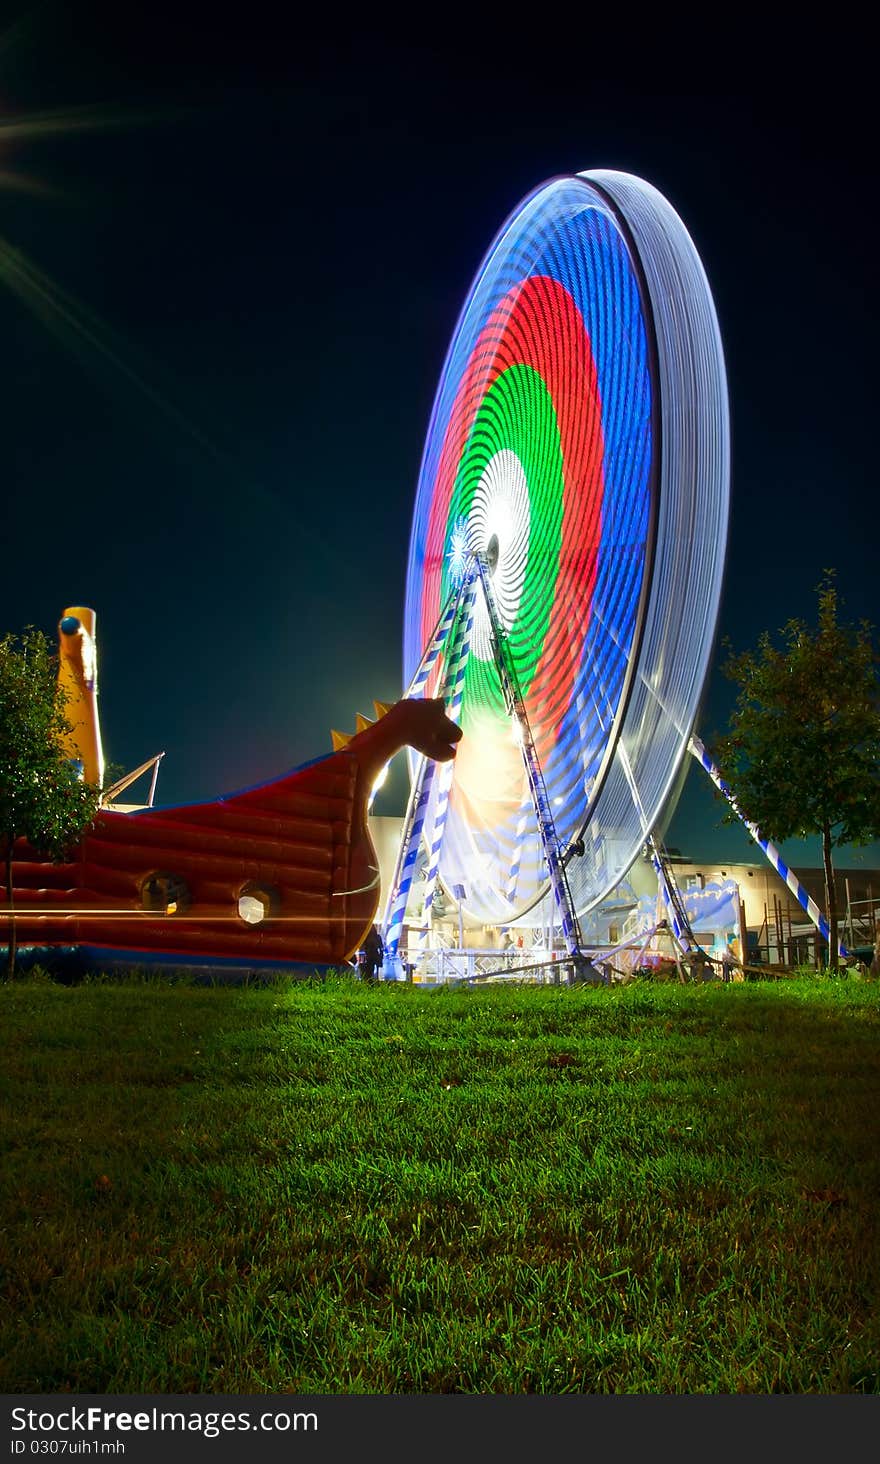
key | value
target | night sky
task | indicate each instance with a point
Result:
(233, 257)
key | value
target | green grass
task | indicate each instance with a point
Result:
(337, 1189)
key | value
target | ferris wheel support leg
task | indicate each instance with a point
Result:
(677, 921)
(420, 793)
(804, 899)
(676, 915)
(435, 644)
(581, 965)
(407, 857)
(453, 688)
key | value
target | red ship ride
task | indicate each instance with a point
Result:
(282, 873)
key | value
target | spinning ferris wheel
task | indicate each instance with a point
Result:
(567, 552)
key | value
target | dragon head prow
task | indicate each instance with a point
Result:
(421, 723)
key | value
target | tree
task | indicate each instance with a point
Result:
(801, 755)
(42, 798)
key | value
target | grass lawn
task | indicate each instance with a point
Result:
(336, 1189)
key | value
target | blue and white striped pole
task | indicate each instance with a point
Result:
(407, 858)
(419, 681)
(804, 899)
(420, 793)
(452, 692)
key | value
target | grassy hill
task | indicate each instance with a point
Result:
(333, 1189)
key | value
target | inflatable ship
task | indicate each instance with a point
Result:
(284, 873)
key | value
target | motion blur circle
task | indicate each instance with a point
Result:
(580, 441)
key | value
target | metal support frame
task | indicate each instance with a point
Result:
(676, 914)
(458, 635)
(553, 851)
(111, 793)
(677, 920)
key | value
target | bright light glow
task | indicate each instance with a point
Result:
(380, 779)
(500, 513)
(459, 551)
(251, 909)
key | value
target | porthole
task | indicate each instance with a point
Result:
(257, 903)
(164, 894)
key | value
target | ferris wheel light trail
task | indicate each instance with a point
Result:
(579, 446)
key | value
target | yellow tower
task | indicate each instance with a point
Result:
(78, 676)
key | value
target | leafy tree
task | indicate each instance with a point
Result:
(801, 755)
(42, 798)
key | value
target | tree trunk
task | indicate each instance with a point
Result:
(10, 969)
(830, 898)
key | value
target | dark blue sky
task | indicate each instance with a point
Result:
(231, 280)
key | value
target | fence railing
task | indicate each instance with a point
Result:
(445, 965)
